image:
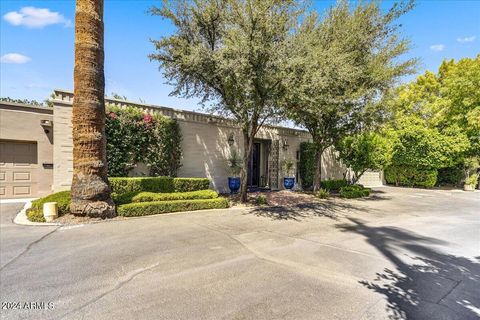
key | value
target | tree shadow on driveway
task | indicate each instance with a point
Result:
(298, 212)
(433, 285)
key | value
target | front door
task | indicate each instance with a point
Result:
(254, 172)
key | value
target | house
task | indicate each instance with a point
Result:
(36, 148)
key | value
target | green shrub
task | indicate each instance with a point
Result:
(334, 185)
(35, 215)
(472, 180)
(157, 184)
(322, 193)
(152, 196)
(156, 207)
(450, 176)
(306, 166)
(62, 198)
(354, 191)
(411, 176)
(261, 200)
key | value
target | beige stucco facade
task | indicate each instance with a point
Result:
(26, 151)
(205, 145)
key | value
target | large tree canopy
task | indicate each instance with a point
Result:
(230, 53)
(339, 67)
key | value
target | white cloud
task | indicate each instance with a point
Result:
(14, 58)
(35, 17)
(466, 39)
(437, 47)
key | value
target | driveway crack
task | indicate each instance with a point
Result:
(120, 284)
(28, 248)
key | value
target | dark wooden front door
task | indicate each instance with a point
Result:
(254, 167)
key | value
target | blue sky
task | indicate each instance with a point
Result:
(36, 46)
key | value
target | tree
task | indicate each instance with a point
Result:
(90, 189)
(230, 53)
(339, 67)
(364, 151)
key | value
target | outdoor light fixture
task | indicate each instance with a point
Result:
(46, 124)
(231, 140)
(285, 144)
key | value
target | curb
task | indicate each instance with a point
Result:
(21, 217)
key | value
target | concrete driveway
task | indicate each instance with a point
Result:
(402, 254)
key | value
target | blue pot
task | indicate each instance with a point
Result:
(234, 184)
(288, 183)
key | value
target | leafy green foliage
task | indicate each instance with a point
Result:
(451, 176)
(472, 180)
(62, 198)
(234, 163)
(287, 166)
(231, 53)
(157, 184)
(261, 200)
(338, 67)
(157, 207)
(153, 196)
(334, 184)
(322, 193)
(364, 151)
(134, 137)
(354, 191)
(410, 176)
(307, 164)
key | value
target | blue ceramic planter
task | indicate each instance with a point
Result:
(234, 184)
(288, 183)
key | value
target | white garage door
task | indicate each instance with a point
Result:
(18, 168)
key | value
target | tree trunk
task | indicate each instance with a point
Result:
(318, 169)
(90, 189)
(247, 152)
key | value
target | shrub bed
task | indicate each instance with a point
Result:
(157, 184)
(355, 191)
(152, 196)
(157, 207)
(62, 198)
(334, 185)
(411, 176)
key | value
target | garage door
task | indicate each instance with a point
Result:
(18, 168)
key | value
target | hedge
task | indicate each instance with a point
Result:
(411, 176)
(333, 185)
(306, 166)
(157, 207)
(157, 184)
(152, 196)
(62, 198)
(355, 191)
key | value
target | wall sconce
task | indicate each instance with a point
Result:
(285, 144)
(46, 124)
(231, 139)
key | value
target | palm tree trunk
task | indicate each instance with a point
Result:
(90, 189)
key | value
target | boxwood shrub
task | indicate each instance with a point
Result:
(333, 185)
(156, 207)
(411, 176)
(152, 196)
(354, 191)
(157, 184)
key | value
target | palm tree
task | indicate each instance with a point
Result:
(90, 189)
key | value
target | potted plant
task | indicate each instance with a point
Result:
(234, 164)
(288, 180)
(471, 176)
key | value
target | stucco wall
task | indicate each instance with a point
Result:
(205, 143)
(21, 123)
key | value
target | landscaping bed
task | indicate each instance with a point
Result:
(139, 197)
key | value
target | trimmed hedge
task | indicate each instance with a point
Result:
(152, 196)
(62, 198)
(306, 166)
(157, 207)
(333, 185)
(411, 176)
(355, 191)
(157, 184)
